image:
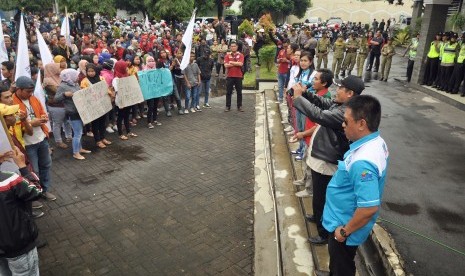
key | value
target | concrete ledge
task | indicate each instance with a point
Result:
(386, 248)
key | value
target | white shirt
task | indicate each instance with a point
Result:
(38, 135)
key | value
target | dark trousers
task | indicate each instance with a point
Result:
(123, 115)
(446, 73)
(320, 184)
(431, 71)
(341, 257)
(374, 57)
(98, 128)
(230, 84)
(218, 67)
(152, 105)
(455, 79)
(409, 69)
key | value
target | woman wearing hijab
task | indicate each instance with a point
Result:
(152, 104)
(57, 110)
(121, 71)
(82, 69)
(61, 60)
(98, 125)
(65, 94)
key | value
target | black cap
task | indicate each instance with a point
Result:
(352, 83)
(24, 83)
(454, 35)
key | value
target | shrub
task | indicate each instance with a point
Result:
(246, 27)
(266, 22)
(402, 37)
(267, 54)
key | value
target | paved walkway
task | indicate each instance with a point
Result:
(177, 200)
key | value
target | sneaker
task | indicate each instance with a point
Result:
(157, 123)
(168, 114)
(207, 105)
(149, 125)
(299, 182)
(303, 193)
(115, 128)
(227, 109)
(180, 112)
(192, 110)
(295, 152)
(144, 116)
(110, 130)
(186, 111)
(289, 129)
(49, 196)
(37, 204)
(90, 134)
(37, 214)
(138, 117)
(197, 108)
(298, 158)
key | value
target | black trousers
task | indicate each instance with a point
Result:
(341, 257)
(123, 115)
(431, 71)
(230, 84)
(218, 67)
(98, 128)
(409, 69)
(320, 184)
(446, 73)
(374, 57)
(456, 78)
(152, 105)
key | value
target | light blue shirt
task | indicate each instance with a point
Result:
(357, 183)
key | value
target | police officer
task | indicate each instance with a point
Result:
(412, 53)
(445, 39)
(323, 48)
(448, 57)
(352, 45)
(387, 52)
(432, 61)
(457, 74)
(362, 54)
(339, 48)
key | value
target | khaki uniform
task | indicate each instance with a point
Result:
(362, 55)
(339, 48)
(351, 55)
(323, 48)
(387, 52)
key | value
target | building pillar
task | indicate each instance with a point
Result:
(417, 11)
(434, 21)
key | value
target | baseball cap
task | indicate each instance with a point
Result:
(352, 83)
(24, 82)
(6, 110)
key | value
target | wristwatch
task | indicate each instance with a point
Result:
(343, 232)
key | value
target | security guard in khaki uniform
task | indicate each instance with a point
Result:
(449, 54)
(339, 48)
(432, 61)
(412, 53)
(352, 45)
(323, 48)
(457, 74)
(387, 52)
(362, 54)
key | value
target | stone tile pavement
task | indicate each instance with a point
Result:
(177, 200)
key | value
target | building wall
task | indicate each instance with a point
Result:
(353, 10)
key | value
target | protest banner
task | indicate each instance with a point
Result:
(128, 92)
(155, 83)
(92, 102)
(6, 143)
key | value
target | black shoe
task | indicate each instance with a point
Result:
(318, 240)
(318, 272)
(310, 218)
(37, 214)
(385, 80)
(41, 243)
(462, 95)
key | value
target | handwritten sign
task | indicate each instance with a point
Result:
(128, 93)
(92, 102)
(155, 83)
(6, 144)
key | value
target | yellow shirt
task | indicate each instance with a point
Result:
(17, 131)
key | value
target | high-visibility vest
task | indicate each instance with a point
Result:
(449, 53)
(461, 56)
(432, 51)
(413, 49)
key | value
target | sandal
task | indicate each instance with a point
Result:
(78, 156)
(123, 137)
(106, 142)
(131, 134)
(84, 151)
(101, 145)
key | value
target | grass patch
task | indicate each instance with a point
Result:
(249, 77)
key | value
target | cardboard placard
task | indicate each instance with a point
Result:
(128, 92)
(156, 83)
(92, 102)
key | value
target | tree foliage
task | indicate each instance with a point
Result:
(256, 8)
(132, 6)
(246, 27)
(172, 9)
(90, 6)
(28, 5)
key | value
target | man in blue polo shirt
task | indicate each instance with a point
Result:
(354, 193)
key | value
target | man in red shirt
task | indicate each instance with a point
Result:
(234, 61)
(284, 61)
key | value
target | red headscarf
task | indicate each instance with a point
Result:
(121, 69)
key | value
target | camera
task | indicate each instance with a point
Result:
(291, 92)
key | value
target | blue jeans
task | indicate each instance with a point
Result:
(39, 156)
(23, 265)
(206, 89)
(76, 125)
(281, 82)
(195, 96)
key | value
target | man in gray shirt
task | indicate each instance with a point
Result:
(192, 78)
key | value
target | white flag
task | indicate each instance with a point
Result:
(39, 94)
(66, 30)
(187, 40)
(3, 52)
(147, 23)
(22, 60)
(45, 53)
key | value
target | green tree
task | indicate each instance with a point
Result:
(256, 8)
(34, 6)
(133, 6)
(172, 9)
(204, 7)
(246, 27)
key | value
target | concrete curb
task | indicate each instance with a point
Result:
(386, 248)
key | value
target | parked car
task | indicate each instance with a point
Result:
(333, 21)
(206, 19)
